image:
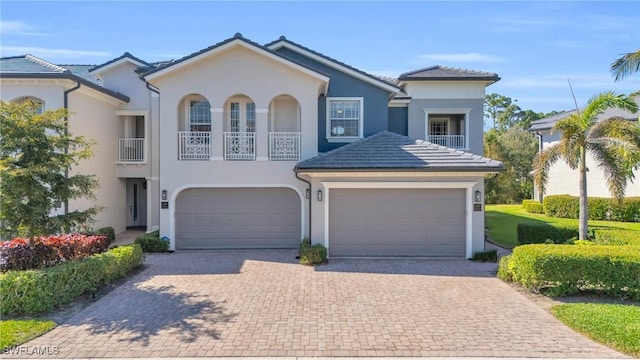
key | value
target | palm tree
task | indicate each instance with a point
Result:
(626, 65)
(614, 143)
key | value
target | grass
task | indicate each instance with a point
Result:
(16, 332)
(502, 220)
(617, 326)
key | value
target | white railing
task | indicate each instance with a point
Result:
(452, 141)
(131, 149)
(284, 146)
(239, 146)
(194, 145)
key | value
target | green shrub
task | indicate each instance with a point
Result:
(617, 237)
(152, 243)
(543, 233)
(504, 272)
(533, 206)
(559, 270)
(565, 206)
(38, 291)
(108, 231)
(486, 256)
(312, 254)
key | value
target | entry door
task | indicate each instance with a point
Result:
(136, 202)
(242, 116)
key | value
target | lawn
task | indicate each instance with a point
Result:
(617, 326)
(16, 332)
(501, 222)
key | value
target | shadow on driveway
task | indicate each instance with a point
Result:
(430, 267)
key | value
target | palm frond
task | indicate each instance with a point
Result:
(571, 140)
(616, 168)
(603, 101)
(543, 163)
(626, 65)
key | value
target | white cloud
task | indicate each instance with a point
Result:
(17, 27)
(46, 52)
(464, 58)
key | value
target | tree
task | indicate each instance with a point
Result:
(495, 106)
(626, 65)
(515, 148)
(36, 156)
(614, 143)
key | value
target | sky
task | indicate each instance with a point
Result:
(535, 47)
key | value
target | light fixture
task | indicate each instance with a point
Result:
(164, 195)
(478, 196)
(319, 195)
(308, 194)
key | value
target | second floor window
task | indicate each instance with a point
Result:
(344, 117)
(199, 115)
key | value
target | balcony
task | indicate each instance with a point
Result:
(451, 141)
(284, 146)
(194, 145)
(131, 150)
(239, 145)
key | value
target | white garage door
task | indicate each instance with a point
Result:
(221, 218)
(397, 222)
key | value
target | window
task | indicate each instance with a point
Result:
(199, 115)
(40, 103)
(344, 117)
(242, 117)
(438, 126)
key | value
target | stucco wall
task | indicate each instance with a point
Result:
(125, 80)
(342, 85)
(398, 120)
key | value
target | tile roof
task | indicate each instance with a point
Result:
(550, 121)
(390, 151)
(126, 55)
(438, 72)
(29, 66)
(388, 81)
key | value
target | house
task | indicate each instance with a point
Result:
(562, 179)
(243, 145)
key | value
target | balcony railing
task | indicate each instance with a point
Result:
(284, 146)
(194, 145)
(239, 146)
(131, 150)
(452, 141)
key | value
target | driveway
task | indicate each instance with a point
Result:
(261, 303)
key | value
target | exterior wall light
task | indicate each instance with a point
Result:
(319, 195)
(308, 194)
(164, 195)
(478, 196)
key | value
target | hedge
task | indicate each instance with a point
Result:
(533, 206)
(25, 254)
(38, 291)
(559, 270)
(565, 206)
(617, 237)
(312, 254)
(542, 233)
(151, 242)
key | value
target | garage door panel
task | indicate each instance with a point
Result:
(397, 222)
(213, 218)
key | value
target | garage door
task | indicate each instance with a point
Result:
(237, 218)
(397, 222)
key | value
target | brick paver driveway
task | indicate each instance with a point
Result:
(261, 303)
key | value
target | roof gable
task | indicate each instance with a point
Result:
(328, 61)
(438, 72)
(237, 40)
(393, 152)
(113, 63)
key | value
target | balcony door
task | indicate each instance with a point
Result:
(241, 116)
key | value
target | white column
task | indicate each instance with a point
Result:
(217, 136)
(262, 134)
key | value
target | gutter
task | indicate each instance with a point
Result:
(68, 75)
(66, 133)
(348, 170)
(309, 183)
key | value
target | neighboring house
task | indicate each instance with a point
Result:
(242, 145)
(562, 179)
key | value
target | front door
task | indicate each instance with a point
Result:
(242, 116)
(136, 202)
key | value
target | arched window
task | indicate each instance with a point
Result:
(40, 102)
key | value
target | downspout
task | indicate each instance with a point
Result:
(309, 183)
(66, 133)
(155, 90)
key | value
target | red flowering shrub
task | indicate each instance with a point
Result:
(25, 254)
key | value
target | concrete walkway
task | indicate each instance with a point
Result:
(261, 303)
